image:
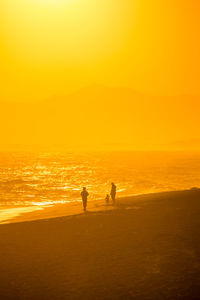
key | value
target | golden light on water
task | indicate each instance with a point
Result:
(10, 213)
(97, 98)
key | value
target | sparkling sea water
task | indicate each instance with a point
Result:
(34, 180)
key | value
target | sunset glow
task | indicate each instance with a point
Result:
(99, 149)
(94, 55)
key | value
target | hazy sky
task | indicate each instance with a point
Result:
(56, 46)
(50, 48)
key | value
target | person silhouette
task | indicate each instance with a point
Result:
(113, 192)
(84, 195)
(107, 199)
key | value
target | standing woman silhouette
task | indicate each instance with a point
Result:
(113, 192)
(84, 195)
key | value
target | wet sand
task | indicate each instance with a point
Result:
(148, 247)
(40, 212)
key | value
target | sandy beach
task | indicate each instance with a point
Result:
(148, 247)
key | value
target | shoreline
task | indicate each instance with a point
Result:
(146, 248)
(34, 213)
(27, 214)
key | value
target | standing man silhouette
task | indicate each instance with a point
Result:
(84, 195)
(113, 192)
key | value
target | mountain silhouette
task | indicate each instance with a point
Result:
(99, 115)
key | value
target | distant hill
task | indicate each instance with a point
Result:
(98, 117)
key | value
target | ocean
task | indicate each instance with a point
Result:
(31, 181)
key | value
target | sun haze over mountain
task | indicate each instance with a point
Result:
(96, 54)
(89, 119)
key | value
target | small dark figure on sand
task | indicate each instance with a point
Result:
(113, 192)
(84, 195)
(107, 199)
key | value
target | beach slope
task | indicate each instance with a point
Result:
(146, 248)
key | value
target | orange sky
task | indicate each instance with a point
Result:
(92, 49)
